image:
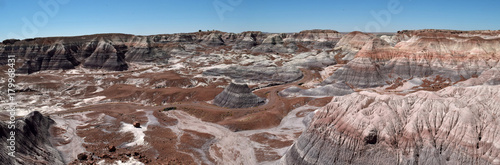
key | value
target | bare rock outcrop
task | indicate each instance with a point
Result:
(114, 51)
(361, 72)
(316, 39)
(337, 89)
(213, 39)
(313, 60)
(353, 42)
(238, 95)
(141, 51)
(452, 57)
(262, 75)
(57, 56)
(9, 41)
(457, 125)
(248, 39)
(106, 57)
(275, 43)
(32, 140)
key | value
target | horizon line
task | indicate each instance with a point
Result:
(104, 33)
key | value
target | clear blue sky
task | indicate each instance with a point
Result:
(27, 18)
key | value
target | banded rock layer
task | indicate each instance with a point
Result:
(457, 125)
(238, 96)
(115, 51)
(33, 144)
(450, 56)
(264, 75)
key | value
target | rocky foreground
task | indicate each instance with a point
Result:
(313, 97)
(33, 141)
(457, 125)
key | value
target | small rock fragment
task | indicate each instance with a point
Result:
(112, 148)
(137, 124)
(82, 156)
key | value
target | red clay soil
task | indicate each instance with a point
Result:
(397, 83)
(435, 85)
(267, 154)
(320, 102)
(99, 136)
(193, 101)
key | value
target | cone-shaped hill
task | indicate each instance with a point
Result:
(238, 95)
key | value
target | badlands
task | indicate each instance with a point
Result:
(313, 97)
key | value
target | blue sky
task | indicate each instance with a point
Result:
(27, 18)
